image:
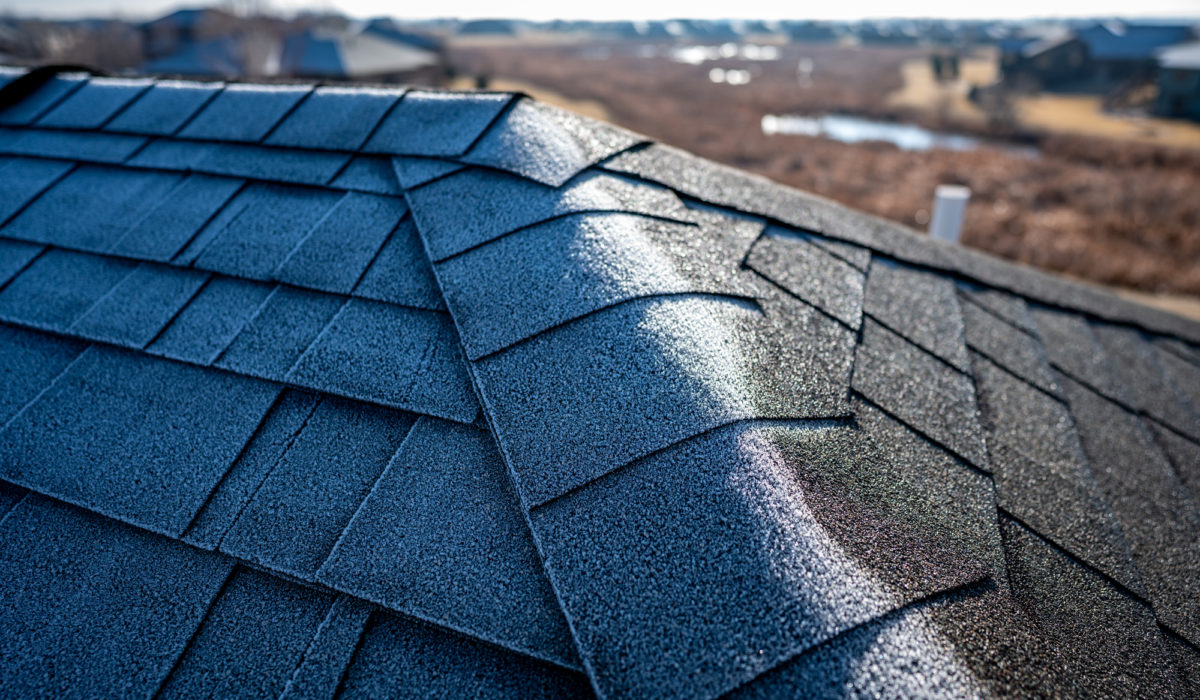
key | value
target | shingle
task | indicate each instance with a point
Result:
(244, 112)
(78, 145)
(857, 256)
(59, 287)
(925, 394)
(469, 208)
(162, 232)
(165, 107)
(1184, 455)
(401, 274)
(95, 103)
(435, 124)
(22, 179)
(336, 118)
(398, 655)
(171, 155)
(1066, 509)
(211, 320)
(257, 230)
(1008, 307)
(1016, 352)
(414, 172)
(1111, 636)
(258, 162)
(104, 203)
(441, 537)
(271, 441)
(619, 384)
(10, 496)
(136, 309)
(14, 256)
(337, 250)
(284, 326)
(1159, 520)
(29, 362)
(1185, 378)
(1073, 348)
(133, 437)
(404, 358)
(320, 672)
(545, 143)
(1138, 368)
(545, 275)
(696, 569)
(368, 174)
(920, 306)
(296, 515)
(92, 608)
(1179, 348)
(810, 273)
(252, 639)
(42, 99)
(10, 73)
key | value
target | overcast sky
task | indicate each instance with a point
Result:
(644, 9)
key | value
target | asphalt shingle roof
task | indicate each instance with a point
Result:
(312, 392)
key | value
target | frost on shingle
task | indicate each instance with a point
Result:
(42, 99)
(399, 654)
(137, 308)
(546, 143)
(14, 256)
(78, 145)
(244, 112)
(137, 438)
(90, 606)
(1011, 308)
(472, 207)
(256, 231)
(551, 273)
(920, 306)
(162, 232)
(1018, 353)
(441, 537)
(1138, 368)
(390, 355)
(368, 174)
(165, 107)
(1138, 480)
(29, 362)
(314, 488)
(269, 344)
(211, 320)
(809, 272)
(334, 118)
(413, 172)
(924, 393)
(435, 124)
(401, 273)
(319, 674)
(105, 203)
(338, 248)
(259, 162)
(694, 570)
(1073, 348)
(252, 639)
(95, 103)
(22, 179)
(1109, 636)
(619, 384)
(59, 287)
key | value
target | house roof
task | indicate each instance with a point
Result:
(1181, 57)
(1118, 40)
(355, 53)
(313, 390)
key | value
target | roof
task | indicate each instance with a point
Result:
(355, 53)
(1181, 57)
(311, 391)
(1120, 41)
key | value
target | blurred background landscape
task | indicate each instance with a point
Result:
(1079, 138)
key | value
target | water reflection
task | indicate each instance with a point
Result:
(855, 129)
(697, 55)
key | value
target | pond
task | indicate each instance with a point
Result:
(909, 137)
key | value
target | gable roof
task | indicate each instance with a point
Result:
(1118, 40)
(315, 390)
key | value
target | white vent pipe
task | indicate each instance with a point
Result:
(949, 208)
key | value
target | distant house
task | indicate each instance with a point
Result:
(1179, 81)
(372, 52)
(1096, 58)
